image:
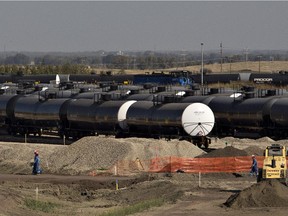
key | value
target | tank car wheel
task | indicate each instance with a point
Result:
(9, 131)
(13, 132)
(206, 145)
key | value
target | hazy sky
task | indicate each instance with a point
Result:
(114, 25)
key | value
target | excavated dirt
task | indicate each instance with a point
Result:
(270, 193)
(254, 150)
(67, 182)
(228, 151)
(90, 154)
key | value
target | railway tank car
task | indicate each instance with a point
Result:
(192, 122)
(234, 116)
(6, 104)
(249, 116)
(279, 118)
(33, 114)
(75, 118)
(171, 120)
(87, 117)
(180, 77)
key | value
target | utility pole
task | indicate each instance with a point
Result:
(202, 67)
(259, 62)
(184, 58)
(230, 63)
(246, 57)
(221, 54)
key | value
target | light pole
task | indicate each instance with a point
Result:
(230, 64)
(202, 66)
(259, 62)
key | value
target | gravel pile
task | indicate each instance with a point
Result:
(254, 150)
(263, 194)
(101, 153)
(16, 157)
(89, 154)
(96, 153)
(242, 143)
(228, 151)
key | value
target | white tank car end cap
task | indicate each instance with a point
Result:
(122, 113)
(198, 119)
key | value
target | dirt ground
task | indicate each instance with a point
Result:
(183, 193)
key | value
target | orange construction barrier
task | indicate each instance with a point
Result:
(204, 165)
(188, 165)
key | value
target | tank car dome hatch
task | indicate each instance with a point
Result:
(123, 112)
(180, 93)
(236, 95)
(44, 88)
(198, 119)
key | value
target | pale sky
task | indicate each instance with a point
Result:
(70, 26)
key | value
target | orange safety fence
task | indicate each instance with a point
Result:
(187, 165)
(204, 165)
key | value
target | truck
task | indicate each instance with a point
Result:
(274, 164)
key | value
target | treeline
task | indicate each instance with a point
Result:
(44, 69)
(85, 62)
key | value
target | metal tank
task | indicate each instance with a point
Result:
(32, 114)
(238, 114)
(169, 120)
(278, 112)
(21, 114)
(57, 93)
(248, 112)
(141, 97)
(84, 115)
(216, 78)
(4, 101)
(25, 107)
(48, 112)
(6, 108)
(200, 99)
(88, 95)
(79, 117)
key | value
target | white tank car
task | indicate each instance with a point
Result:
(171, 120)
(198, 119)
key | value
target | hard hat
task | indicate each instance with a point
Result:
(253, 156)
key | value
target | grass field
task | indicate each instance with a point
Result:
(263, 67)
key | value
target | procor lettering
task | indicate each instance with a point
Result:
(257, 80)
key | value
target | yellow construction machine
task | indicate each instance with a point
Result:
(274, 164)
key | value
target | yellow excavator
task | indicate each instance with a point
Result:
(274, 164)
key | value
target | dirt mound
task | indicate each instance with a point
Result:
(90, 153)
(254, 150)
(265, 139)
(228, 151)
(96, 153)
(15, 158)
(149, 190)
(269, 193)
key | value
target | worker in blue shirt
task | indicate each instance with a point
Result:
(254, 167)
(36, 165)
